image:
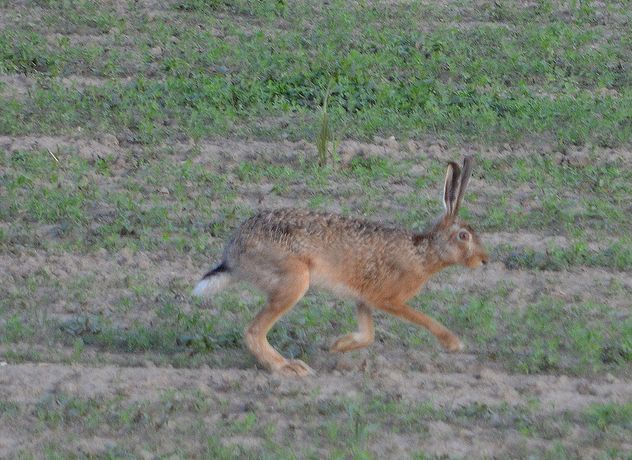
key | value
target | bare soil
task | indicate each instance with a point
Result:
(452, 384)
(278, 401)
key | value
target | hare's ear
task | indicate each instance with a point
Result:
(468, 163)
(451, 188)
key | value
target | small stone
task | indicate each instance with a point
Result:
(109, 140)
(584, 388)
(349, 149)
(577, 158)
(412, 146)
(434, 151)
(155, 52)
(392, 143)
(377, 140)
(344, 364)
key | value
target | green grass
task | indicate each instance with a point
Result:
(545, 336)
(15, 329)
(617, 256)
(560, 197)
(610, 416)
(488, 82)
(144, 214)
(104, 246)
(179, 210)
(348, 426)
(584, 337)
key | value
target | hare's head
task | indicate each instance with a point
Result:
(455, 241)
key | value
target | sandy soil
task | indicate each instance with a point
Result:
(459, 405)
(452, 384)
(272, 399)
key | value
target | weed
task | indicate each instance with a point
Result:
(478, 316)
(325, 134)
(197, 5)
(9, 409)
(56, 410)
(616, 256)
(216, 449)
(15, 329)
(604, 416)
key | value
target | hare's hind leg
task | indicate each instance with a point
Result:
(365, 335)
(446, 337)
(292, 285)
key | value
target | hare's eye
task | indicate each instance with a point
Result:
(464, 236)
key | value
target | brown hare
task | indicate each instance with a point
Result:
(284, 251)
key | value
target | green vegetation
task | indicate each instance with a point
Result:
(609, 416)
(616, 256)
(345, 424)
(134, 138)
(522, 73)
(85, 205)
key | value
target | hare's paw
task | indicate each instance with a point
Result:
(294, 368)
(349, 342)
(451, 342)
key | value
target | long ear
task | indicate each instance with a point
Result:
(451, 188)
(468, 163)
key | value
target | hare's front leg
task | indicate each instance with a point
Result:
(292, 284)
(446, 337)
(365, 335)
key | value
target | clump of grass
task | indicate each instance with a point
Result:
(617, 256)
(604, 416)
(15, 329)
(197, 5)
(325, 135)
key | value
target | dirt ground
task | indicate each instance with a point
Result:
(477, 406)
(70, 390)
(449, 381)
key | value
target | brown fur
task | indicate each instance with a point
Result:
(284, 251)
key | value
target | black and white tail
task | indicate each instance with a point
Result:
(214, 281)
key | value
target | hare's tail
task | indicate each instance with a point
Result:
(213, 282)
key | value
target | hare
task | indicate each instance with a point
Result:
(285, 251)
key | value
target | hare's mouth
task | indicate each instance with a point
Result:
(477, 261)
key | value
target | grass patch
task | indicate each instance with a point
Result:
(102, 246)
(608, 416)
(542, 76)
(617, 256)
(546, 336)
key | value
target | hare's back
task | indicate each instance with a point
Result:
(319, 239)
(300, 230)
(346, 255)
